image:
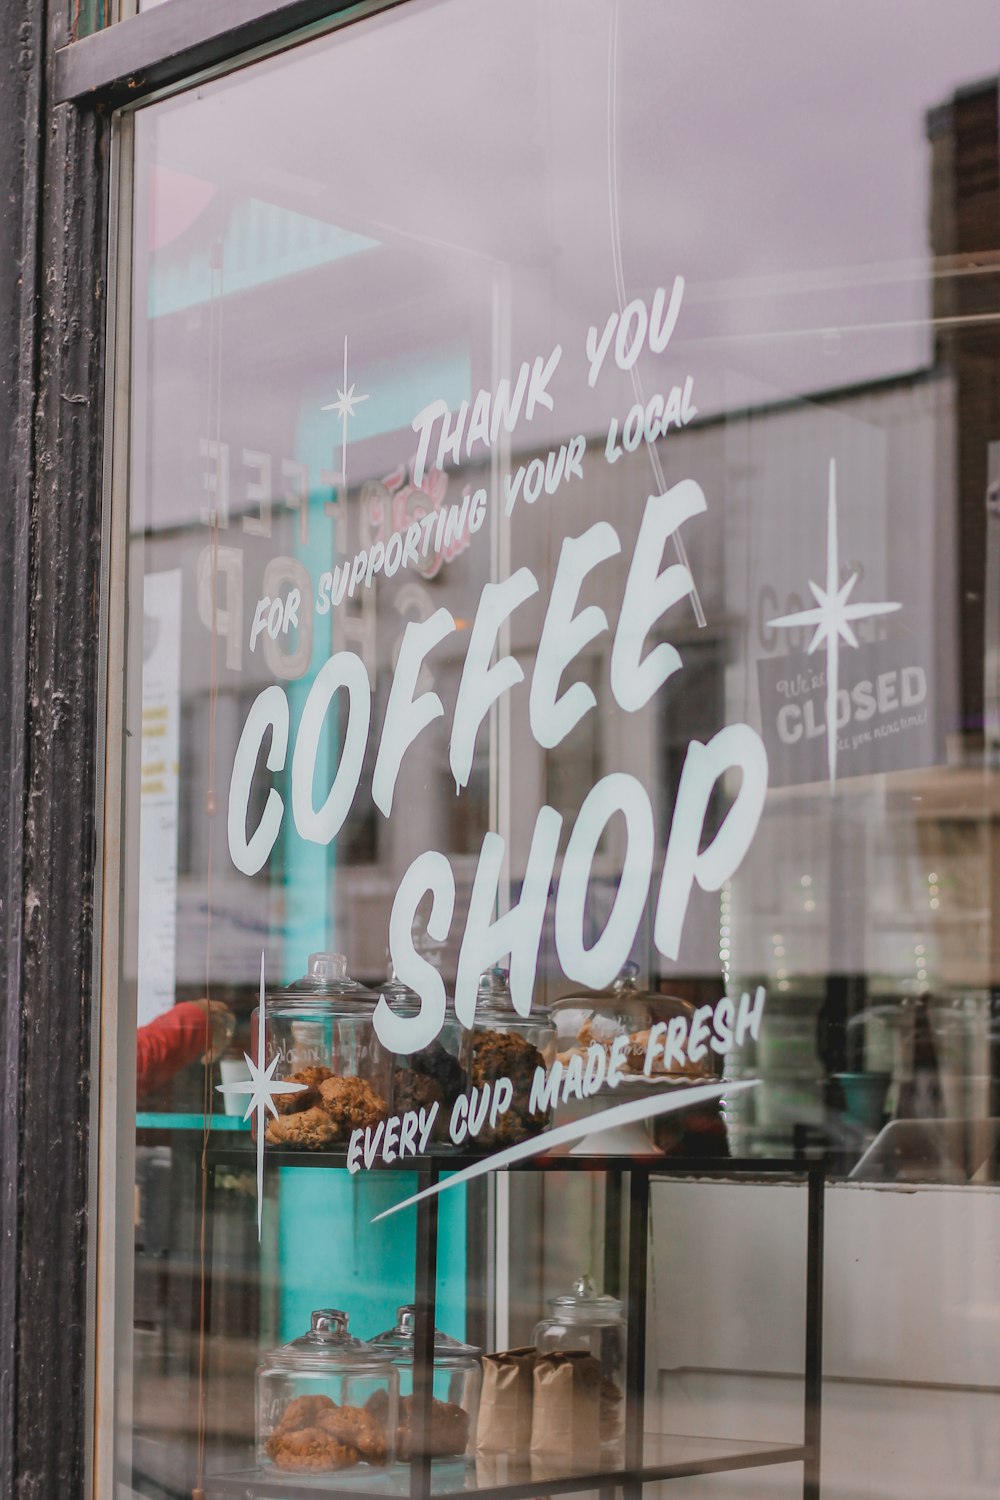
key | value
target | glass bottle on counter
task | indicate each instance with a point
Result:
(435, 1074)
(582, 1323)
(320, 1028)
(455, 1390)
(508, 1046)
(326, 1401)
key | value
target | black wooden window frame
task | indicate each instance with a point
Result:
(57, 103)
(172, 42)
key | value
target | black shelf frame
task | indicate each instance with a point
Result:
(628, 1181)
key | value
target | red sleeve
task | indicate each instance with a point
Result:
(168, 1044)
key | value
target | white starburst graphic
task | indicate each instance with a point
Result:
(344, 406)
(832, 618)
(262, 1088)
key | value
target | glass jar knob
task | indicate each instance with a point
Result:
(329, 1322)
(327, 966)
(627, 977)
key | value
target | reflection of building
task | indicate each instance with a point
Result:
(829, 913)
(964, 136)
(764, 470)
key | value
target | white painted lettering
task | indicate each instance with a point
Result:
(648, 595)
(481, 684)
(405, 1034)
(343, 670)
(268, 711)
(750, 1015)
(519, 931)
(736, 746)
(598, 965)
(407, 716)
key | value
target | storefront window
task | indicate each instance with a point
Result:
(558, 744)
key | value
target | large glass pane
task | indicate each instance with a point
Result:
(563, 601)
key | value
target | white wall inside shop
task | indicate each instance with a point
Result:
(911, 1398)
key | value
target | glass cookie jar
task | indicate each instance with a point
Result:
(436, 1074)
(507, 1046)
(597, 1031)
(623, 1010)
(326, 1401)
(455, 1390)
(583, 1323)
(320, 1029)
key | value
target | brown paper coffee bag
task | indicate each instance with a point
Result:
(566, 1426)
(506, 1402)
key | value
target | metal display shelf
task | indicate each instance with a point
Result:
(649, 1457)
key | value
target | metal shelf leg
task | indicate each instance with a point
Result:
(814, 1331)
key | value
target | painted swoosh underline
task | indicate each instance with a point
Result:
(605, 1119)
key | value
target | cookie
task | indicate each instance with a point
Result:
(309, 1450)
(449, 1429)
(359, 1429)
(351, 1103)
(311, 1130)
(304, 1411)
(506, 1054)
(306, 1098)
(412, 1090)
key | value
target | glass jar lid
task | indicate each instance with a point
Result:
(607, 1013)
(626, 981)
(623, 993)
(399, 1341)
(495, 1003)
(601, 1015)
(584, 1305)
(329, 1346)
(404, 1001)
(327, 986)
(398, 995)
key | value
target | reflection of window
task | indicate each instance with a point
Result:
(195, 773)
(575, 766)
(190, 753)
(464, 817)
(357, 841)
(467, 816)
(692, 708)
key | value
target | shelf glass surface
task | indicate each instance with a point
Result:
(665, 1456)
